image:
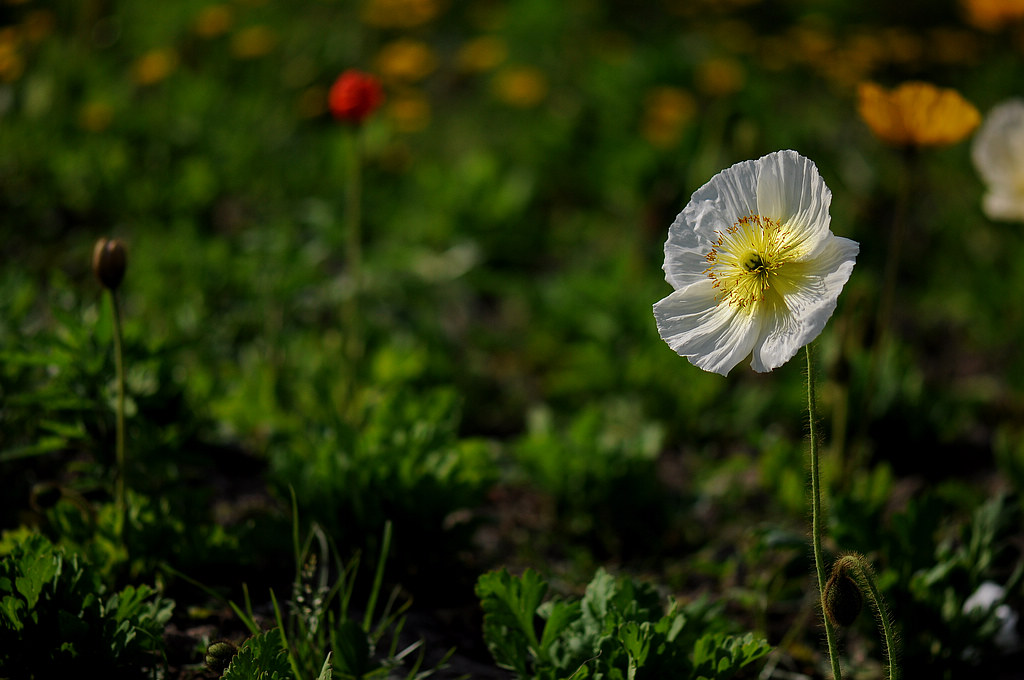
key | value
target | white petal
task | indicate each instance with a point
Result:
(790, 190)
(998, 148)
(728, 196)
(713, 336)
(1003, 204)
(810, 304)
(713, 208)
(684, 255)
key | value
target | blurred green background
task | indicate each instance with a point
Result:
(514, 404)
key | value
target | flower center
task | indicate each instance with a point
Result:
(745, 261)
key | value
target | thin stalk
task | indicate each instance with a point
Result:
(897, 235)
(816, 516)
(354, 239)
(378, 577)
(120, 486)
(867, 582)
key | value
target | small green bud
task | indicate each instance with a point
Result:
(843, 599)
(108, 262)
(219, 655)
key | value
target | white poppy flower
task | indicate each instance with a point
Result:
(998, 153)
(754, 265)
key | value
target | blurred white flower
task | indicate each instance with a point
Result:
(988, 597)
(998, 153)
(754, 265)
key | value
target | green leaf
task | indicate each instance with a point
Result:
(636, 639)
(510, 605)
(261, 657)
(559, 615)
(325, 672)
(351, 649)
(37, 570)
(719, 656)
(10, 607)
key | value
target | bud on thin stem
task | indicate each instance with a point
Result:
(854, 572)
(843, 599)
(108, 262)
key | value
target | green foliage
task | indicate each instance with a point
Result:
(722, 656)
(400, 459)
(56, 617)
(980, 551)
(510, 606)
(948, 547)
(319, 630)
(262, 657)
(604, 452)
(57, 443)
(512, 252)
(619, 630)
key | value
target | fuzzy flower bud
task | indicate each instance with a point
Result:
(843, 598)
(219, 655)
(108, 262)
(354, 96)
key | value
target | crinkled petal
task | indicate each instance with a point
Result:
(713, 336)
(684, 255)
(790, 190)
(805, 304)
(716, 206)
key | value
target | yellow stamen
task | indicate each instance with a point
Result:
(744, 262)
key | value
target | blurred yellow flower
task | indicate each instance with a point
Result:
(400, 13)
(95, 116)
(667, 110)
(410, 111)
(991, 15)
(901, 46)
(253, 41)
(851, 63)
(774, 53)
(868, 45)
(154, 66)
(916, 114)
(38, 25)
(405, 60)
(719, 76)
(312, 102)
(811, 43)
(12, 64)
(481, 54)
(213, 20)
(953, 46)
(521, 86)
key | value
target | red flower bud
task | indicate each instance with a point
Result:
(354, 96)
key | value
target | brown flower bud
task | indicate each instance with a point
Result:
(843, 598)
(108, 262)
